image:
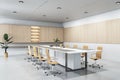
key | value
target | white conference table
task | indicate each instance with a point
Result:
(69, 51)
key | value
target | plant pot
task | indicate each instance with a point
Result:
(6, 55)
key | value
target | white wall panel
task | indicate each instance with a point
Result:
(110, 51)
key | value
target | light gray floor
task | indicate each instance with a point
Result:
(16, 68)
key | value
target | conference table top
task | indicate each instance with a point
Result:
(69, 50)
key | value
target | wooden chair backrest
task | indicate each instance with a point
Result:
(99, 53)
(75, 46)
(48, 55)
(35, 51)
(39, 54)
(60, 45)
(67, 46)
(29, 50)
(85, 47)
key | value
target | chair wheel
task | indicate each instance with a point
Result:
(37, 68)
(89, 65)
(59, 73)
(49, 68)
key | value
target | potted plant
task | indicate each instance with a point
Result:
(4, 44)
(56, 40)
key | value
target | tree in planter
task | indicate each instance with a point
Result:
(7, 40)
(56, 40)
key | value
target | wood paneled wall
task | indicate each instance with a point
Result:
(101, 32)
(47, 34)
(19, 33)
(3, 30)
(23, 33)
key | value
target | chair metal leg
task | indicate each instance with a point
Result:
(95, 65)
(52, 71)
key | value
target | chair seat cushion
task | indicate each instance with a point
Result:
(43, 59)
(94, 58)
(52, 62)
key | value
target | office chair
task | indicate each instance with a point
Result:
(29, 54)
(85, 47)
(75, 46)
(52, 63)
(42, 60)
(35, 56)
(60, 45)
(67, 46)
(97, 56)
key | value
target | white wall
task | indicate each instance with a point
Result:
(24, 22)
(98, 18)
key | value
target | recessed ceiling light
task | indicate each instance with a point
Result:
(44, 15)
(59, 8)
(21, 1)
(14, 12)
(67, 18)
(85, 12)
(118, 2)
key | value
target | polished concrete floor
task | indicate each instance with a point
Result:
(16, 68)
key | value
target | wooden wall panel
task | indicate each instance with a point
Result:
(60, 34)
(109, 31)
(20, 33)
(47, 34)
(91, 33)
(16, 33)
(116, 31)
(44, 34)
(52, 34)
(85, 33)
(3, 29)
(70, 34)
(101, 32)
(27, 34)
(67, 34)
(74, 34)
(81, 34)
(113, 31)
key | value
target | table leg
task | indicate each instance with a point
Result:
(66, 58)
(85, 60)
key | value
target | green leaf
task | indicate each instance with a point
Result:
(1, 43)
(10, 42)
(5, 36)
(9, 39)
(56, 40)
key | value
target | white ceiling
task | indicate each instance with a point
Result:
(34, 10)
